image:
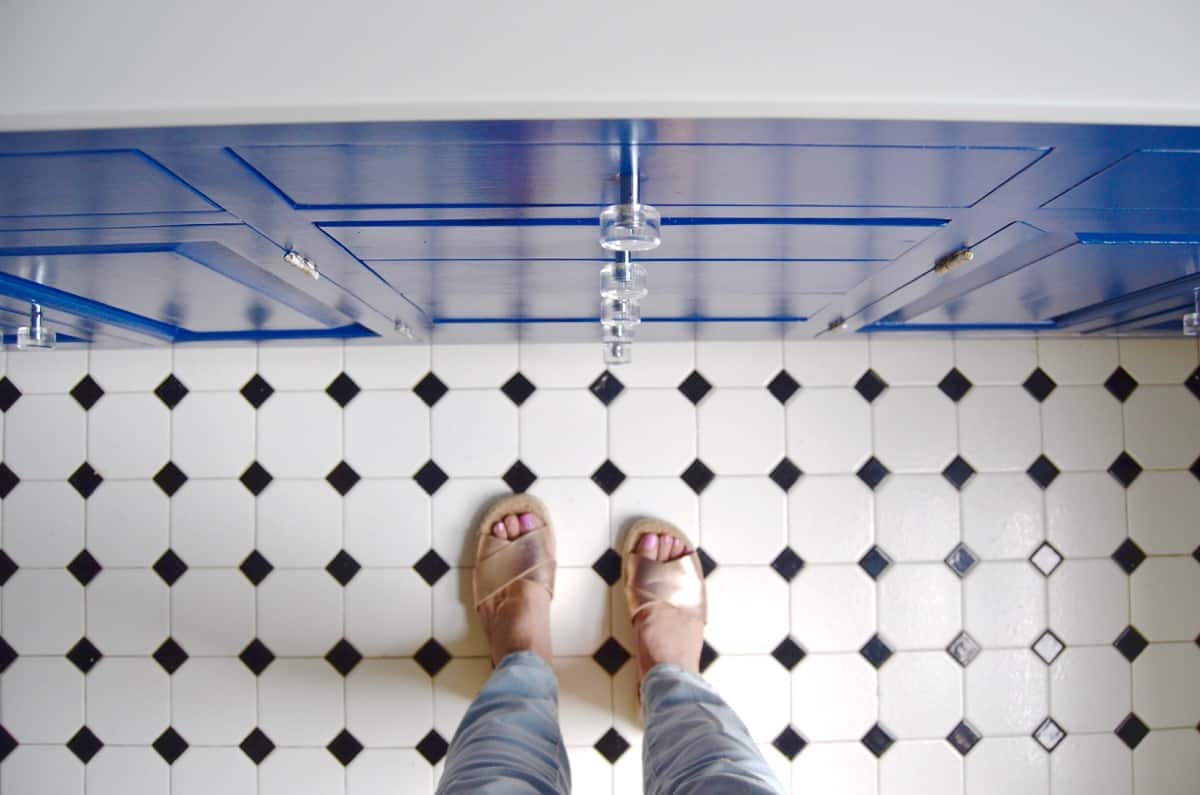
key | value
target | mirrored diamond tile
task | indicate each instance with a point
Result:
(963, 737)
(1049, 734)
(1048, 647)
(964, 649)
(1046, 558)
(961, 560)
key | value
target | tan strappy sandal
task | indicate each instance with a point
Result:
(678, 583)
(500, 562)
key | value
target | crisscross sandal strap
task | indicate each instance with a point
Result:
(502, 562)
(678, 583)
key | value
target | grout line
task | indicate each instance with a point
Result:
(875, 543)
(962, 581)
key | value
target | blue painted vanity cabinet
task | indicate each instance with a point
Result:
(812, 227)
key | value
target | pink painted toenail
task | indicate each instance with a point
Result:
(649, 542)
(528, 520)
(498, 528)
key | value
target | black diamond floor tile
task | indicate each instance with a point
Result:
(611, 656)
(170, 567)
(7, 655)
(612, 745)
(1192, 384)
(1120, 384)
(257, 390)
(430, 477)
(431, 567)
(1125, 469)
(1132, 730)
(343, 478)
(785, 474)
(877, 740)
(875, 651)
(955, 385)
(1039, 385)
(695, 387)
(343, 657)
(697, 476)
(170, 655)
(875, 562)
(85, 745)
(963, 737)
(171, 391)
(519, 478)
(8, 567)
(257, 746)
(788, 653)
(342, 390)
(1194, 469)
(256, 656)
(8, 480)
(432, 657)
(608, 566)
(170, 478)
(873, 472)
(9, 394)
(84, 567)
(1128, 556)
(256, 567)
(430, 389)
(433, 747)
(608, 477)
(787, 564)
(958, 472)
(606, 387)
(783, 386)
(87, 392)
(1130, 643)
(707, 564)
(1042, 472)
(789, 743)
(870, 386)
(85, 480)
(84, 655)
(344, 747)
(8, 743)
(256, 478)
(708, 656)
(518, 388)
(170, 745)
(343, 567)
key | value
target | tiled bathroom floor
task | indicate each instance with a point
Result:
(936, 566)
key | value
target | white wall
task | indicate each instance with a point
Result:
(82, 63)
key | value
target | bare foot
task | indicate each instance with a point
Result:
(666, 634)
(518, 617)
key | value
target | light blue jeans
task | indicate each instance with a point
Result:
(509, 741)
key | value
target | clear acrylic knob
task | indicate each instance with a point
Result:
(1191, 321)
(630, 227)
(35, 336)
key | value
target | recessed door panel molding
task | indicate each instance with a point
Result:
(505, 174)
(1149, 179)
(93, 183)
(545, 290)
(1096, 271)
(692, 239)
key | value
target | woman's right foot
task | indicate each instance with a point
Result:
(666, 634)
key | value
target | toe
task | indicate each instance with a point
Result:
(498, 530)
(530, 521)
(648, 546)
(664, 548)
(512, 525)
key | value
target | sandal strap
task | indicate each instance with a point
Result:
(678, 583)
(501, 562)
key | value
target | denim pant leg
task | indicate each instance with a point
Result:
(509, 742)
(694, 742)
